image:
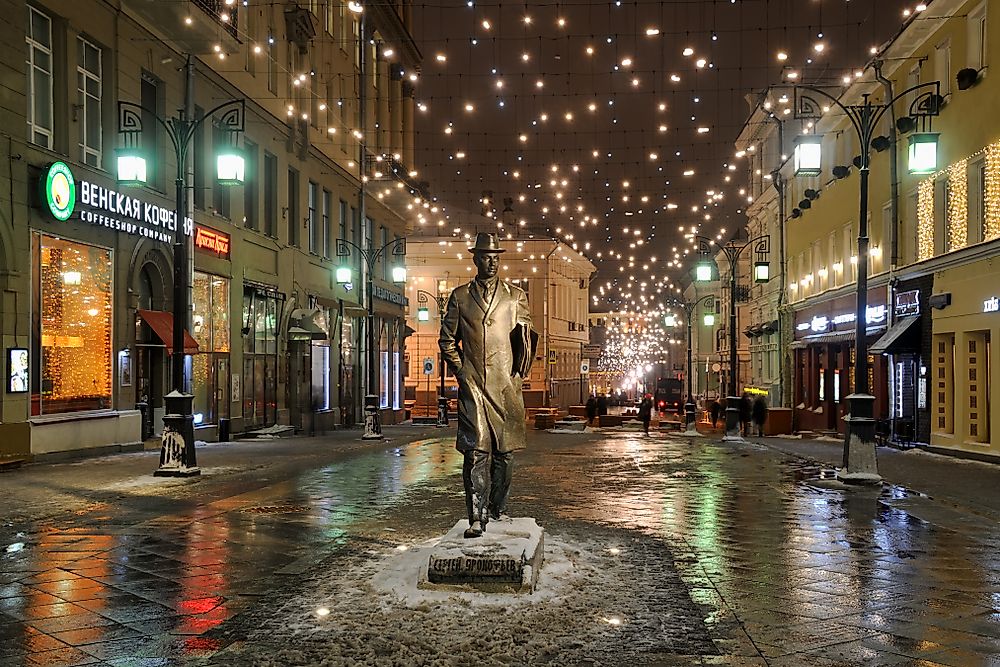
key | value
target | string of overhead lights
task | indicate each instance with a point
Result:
(510, 89)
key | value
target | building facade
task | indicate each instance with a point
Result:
(934, 239)
(87, 263)
(556, 279)
(762, 143)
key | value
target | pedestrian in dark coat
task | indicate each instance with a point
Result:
(602, 405)
(646, 413)
(759, 414)
(715, 409)
(591, 409)
(746, 413)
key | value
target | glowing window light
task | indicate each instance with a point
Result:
(991, 192)
(925, 219)
(958, 205)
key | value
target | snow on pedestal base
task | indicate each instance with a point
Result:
(505, 559)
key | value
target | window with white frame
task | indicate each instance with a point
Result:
(942, 65)
(272, 69)
(331, 12)
(831, 277)
(38, 67)
(850, 260)
(88, 90)
(977, 37)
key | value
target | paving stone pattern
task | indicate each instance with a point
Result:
(681, 552)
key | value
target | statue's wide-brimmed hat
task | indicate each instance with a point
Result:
(486, 242)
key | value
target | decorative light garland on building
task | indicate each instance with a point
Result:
(991, 193)
(925, 219)
(958, 205)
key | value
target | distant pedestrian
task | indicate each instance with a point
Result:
(759, 415)
(602, 404)
(591, 409)
(715, 409)
(646, 412)
(746, 413)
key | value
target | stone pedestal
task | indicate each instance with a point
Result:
(505, 559)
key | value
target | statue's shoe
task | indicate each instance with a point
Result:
(474, 530)
(503, 516)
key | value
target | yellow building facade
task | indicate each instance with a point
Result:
(934, 239)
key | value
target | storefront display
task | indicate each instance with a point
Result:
(321, 394)
(71, 340)
(210, 367)
(261, 306)
(824, 356)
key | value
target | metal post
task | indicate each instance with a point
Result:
(860, 462)
(732, 400)
(373, 422)
(784, 357)
(177, 453)
(691, 428)
(442, 399)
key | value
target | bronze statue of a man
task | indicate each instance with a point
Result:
(486, 340)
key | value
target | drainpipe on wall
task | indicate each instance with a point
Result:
(784, 358)
(894, 240)
(548, 326)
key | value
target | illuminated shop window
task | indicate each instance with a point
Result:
(210, 327)
(71, 342)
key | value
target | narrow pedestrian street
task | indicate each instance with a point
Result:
(659, 550)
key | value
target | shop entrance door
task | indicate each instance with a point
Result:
(150, 378)
(152, 361)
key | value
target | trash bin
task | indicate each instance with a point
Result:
(223, 429)
(145, 420)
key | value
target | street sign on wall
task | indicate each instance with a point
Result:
(592, 351)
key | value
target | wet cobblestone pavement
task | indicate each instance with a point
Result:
(660, 551)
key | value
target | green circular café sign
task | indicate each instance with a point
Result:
(59, 190)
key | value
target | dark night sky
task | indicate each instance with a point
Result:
(545, 72)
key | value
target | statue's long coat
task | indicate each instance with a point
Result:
(475, 342)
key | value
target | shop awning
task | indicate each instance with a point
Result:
(831, 337)
(354, 310)
(896, 339)
(303, 326)
(162, 324)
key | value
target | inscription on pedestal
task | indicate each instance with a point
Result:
(466, 569)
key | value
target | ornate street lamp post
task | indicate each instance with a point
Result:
(177, 453)
(703, 272)
(689, 407)
(860, 461)
(371, 255)
(423, 314)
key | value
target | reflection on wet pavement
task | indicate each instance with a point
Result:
(785, 566)
(787, 563)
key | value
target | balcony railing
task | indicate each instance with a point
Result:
(224, 14)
